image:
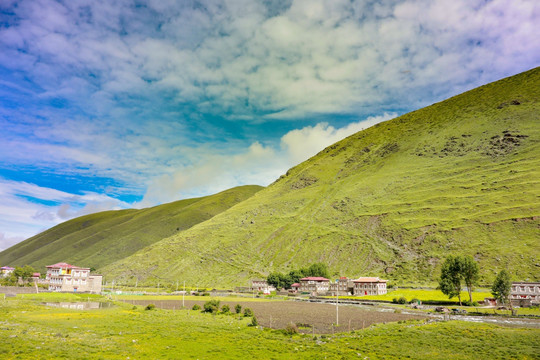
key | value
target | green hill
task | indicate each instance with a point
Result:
(99, 239)
(458, 177)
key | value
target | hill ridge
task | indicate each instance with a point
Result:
(391, 200)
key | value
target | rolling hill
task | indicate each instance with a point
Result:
(458, 177)
(99, 239)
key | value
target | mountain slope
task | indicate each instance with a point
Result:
(458, 177)
(99, 239)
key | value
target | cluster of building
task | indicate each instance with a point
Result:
(65, 278)
(316, 285)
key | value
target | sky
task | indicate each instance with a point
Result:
(133, 103)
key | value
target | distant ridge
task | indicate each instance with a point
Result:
(98, 239)
(458, 177)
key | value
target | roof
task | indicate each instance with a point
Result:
(295, 285)
(314, 278)
(36, 274)
(369, 279)
(525, 283)
(63, 265)
(7, 268)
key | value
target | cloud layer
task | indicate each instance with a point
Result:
(132, 100)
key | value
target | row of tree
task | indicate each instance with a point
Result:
(455, 271)
(459, 270)
(284, 281)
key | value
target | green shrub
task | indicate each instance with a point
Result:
(248, 312)
(211, 306)
(254, 321)
(225, 309)
(291, 329)
(414, 301)
(196, 307)
(205, 294)
(150, 307)
(238, 308)
(402, 300)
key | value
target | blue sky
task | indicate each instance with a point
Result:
(108, 105)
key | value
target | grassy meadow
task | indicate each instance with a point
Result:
(32, 331)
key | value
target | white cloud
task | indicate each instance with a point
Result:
(257, 164)
(27, 209)
(304, 143)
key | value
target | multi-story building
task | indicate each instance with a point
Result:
(525, 293)
(68, 278)
(262, 286)
(342, 287)
(369, 286)
(315, 285)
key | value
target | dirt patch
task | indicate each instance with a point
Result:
(304, 181)
(312, 317)
(504, 144)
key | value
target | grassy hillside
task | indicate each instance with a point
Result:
(458, 177)
(98, 239)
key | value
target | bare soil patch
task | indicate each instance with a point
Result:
(309, 317)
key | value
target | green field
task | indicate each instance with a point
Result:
(32, 331)
(425, 295)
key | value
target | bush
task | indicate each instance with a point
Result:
(402, 300)
(196, 307)
(238, 308)
(205, 294)
(211, 306)
(414, 301)
(254, 321)
(225, 309)
(248, 312)
(291, 329)
(150, 307)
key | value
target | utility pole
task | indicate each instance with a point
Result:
(176, 285)
(337, 304)
(184, 294)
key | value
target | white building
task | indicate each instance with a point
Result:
(68, 278)
(6, 271)
(369, 286)
(262, 286)
(315, 285)
(525, 293)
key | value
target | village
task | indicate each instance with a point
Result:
(67, 278)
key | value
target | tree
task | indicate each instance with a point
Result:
(274, 279)
(317, 269)
(501, 287)
(451, 277)
(469, 269)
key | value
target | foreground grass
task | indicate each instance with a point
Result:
(31, 331)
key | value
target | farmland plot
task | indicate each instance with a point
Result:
(309, 317)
